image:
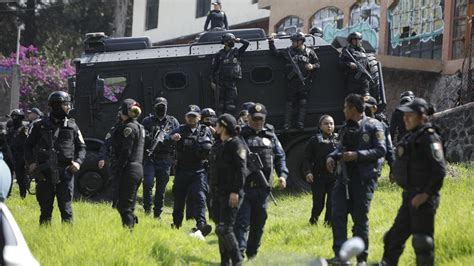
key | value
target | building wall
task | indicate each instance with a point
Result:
(305, 9)
(177, 18)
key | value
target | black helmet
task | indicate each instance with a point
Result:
(407, 93)
(228, 37)
(58, 97)
(316, 31)
(17, 113)
(298, 36)
(354, 35)
(208, 112)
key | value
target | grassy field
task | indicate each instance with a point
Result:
(97, 237)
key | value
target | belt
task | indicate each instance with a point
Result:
(253, 184)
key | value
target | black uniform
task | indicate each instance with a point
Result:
(397, 126)
(107, 153)
(55, 143)
(297, 92)
(252, 215)
(419, 168)
(191, 175)
(355, 81)
(16, 137)
(226, 70)
(230, 167)
(316, 151)
(157, 165)
(218, 19)
(128, 147)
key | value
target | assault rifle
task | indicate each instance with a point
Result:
(296, 68)
(255, 165)
(49, 168)
(342, 169)
(361, 70)
(158, 138)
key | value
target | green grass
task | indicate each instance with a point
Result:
(97, 237)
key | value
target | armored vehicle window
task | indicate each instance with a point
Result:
(152, 10)
(114, 88)
(260, 75)
(202, 8)
(175, 80)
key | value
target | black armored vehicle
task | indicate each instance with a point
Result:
(112, 69)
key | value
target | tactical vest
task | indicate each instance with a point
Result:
(194, 148)
(59, 138)
(261, 143)
(230, 64)
(400, 169)
(301, 59)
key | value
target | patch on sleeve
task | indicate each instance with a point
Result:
(242, 153)
(81, 138)
(127, 131)
(366, 138)
(380, 135)
(437, 151)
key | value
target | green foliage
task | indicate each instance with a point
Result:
(97, 237)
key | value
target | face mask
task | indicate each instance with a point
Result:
(160, 110)
(230, 44)
(58, 112)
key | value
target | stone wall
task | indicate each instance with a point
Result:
(440, 90)
(457, 127)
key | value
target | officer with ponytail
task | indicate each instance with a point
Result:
(128, 147)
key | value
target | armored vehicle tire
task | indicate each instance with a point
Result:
(294, 161)
(90, 181)
(375, 72)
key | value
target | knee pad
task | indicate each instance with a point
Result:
(422, 243)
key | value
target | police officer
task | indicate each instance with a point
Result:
(55, 150)
(299, 77)
(226, 70)
(193, 142)
(217, 18)
(159, 156)
(34, 115)
(107, 154)
(129, 147)
(252, 215)
(360, 151)
(228, 181)
(420, 170)
(16, 137)
(208, 118)
(316, 31)
(397, 126)
(356, 81)
(314, 168)
(371, 111)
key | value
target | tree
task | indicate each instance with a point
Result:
(38, 77)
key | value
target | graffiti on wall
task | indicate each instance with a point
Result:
(364, 27)
(416, 20)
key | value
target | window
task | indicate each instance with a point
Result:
(459, 28)
(365, 18)
(152, 9)
(290, 25)
(328, 16)
(175, 80)
(202, 8)
(114, 88)
(261, 75)
(416, 28)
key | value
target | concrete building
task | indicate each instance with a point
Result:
(178, 21)
(422, 44)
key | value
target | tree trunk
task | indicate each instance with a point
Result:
(29, 36)
(120, 17)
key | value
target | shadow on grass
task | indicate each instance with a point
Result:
(166, 256)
